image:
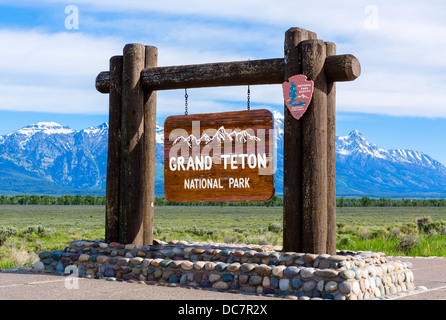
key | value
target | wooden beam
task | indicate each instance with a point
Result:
(314, 151)
(268, 71)
(148, 165)
(292, 153)
(114, 151)
(132, 132)
(103, 82)
(331, 158)
(342, 68)
(214, 75)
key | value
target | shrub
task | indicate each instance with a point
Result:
(340, 225)
(345, 240)
(409, 228)
(23, 258)
(262, 239)
(408, 242)
(199, 231)
(230, 237)
(423, 221)
(261, 230)
(275, 227)
(362, 232)
(39, 229)
(240, 230)
(395, 232)
(347, 231)
(7, 232)
(377, 233)
(433, 227)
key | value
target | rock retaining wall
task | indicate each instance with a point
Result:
(255, 269)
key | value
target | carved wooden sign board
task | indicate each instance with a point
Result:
(219, 157)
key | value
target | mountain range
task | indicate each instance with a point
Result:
(220, 135)
(48, 158)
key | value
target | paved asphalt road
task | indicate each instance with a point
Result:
(33, 286)
(431, 274)
(428, 272)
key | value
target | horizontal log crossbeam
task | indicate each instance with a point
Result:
(268, 71)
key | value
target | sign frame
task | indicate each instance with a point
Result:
(219, 157)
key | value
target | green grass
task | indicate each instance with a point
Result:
(411, 231)
(391, 230)
(376, 216)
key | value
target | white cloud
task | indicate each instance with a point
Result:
(52, 99)
(403, 68)
(55, 54)
(52, 72)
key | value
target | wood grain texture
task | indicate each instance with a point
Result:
(148, 165)
(314, 150)
(268, 71)
(331, 158)
(253, 72)
(292, 153)
(261, 182)
(132, 131)
(342, 67)
(114, 151)
(103, 81)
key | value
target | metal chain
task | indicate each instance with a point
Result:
(185, 101)
(249, 91)
(249, 97)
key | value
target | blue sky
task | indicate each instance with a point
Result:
(47, 71)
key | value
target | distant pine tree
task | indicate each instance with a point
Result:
(293, 93)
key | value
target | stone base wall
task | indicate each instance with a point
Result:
(256, 269)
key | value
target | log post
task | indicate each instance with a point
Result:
(331, 157)
(114, 151)
(132, 132)
(314, 151)
(292, 153)
(151, 59)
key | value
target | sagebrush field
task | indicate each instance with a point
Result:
(26, 230)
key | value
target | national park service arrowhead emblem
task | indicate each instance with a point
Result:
(297, 93)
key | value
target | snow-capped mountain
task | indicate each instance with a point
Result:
(57, 158)
(363, 168)
(48, 158)
(355, 143)
(220, 135)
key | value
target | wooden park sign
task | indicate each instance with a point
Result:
(309, 190)
(219, 157)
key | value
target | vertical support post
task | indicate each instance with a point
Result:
(132, 144)
(331, 158)
(151, 60)
(293, 139)
(113, 157)
(309, 215)
(314, 152)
